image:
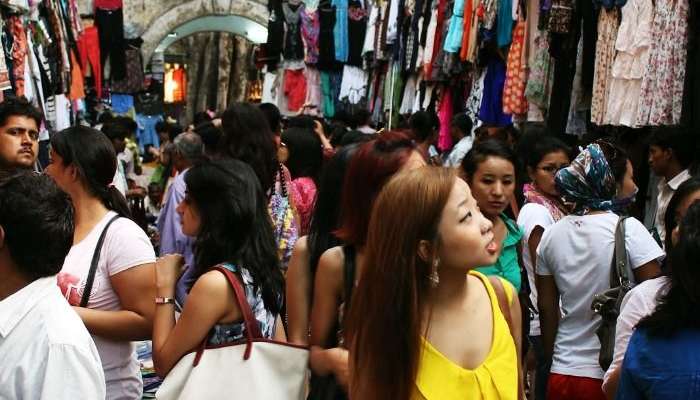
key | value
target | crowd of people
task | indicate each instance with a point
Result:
(406, 273)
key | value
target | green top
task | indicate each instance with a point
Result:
(507, 266)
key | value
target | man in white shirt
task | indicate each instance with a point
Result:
(46, 351)
(461, 132)
(670, 155)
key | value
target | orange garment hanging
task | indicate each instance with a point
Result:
(514, 101)
(468, 15)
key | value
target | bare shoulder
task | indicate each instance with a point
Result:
(212, 284)
(330, 265)
(301, 247)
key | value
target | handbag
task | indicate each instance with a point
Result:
(253, 368)
(607, 304)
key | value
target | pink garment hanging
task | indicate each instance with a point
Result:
(19, 52)
(445, 117)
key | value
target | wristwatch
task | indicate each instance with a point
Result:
(165, 300)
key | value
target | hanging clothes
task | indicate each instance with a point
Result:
(340, 31)
(313, 88)
(632, 45)
(491, 111)
(445, 116)
(310, 26)
(357, 26)
(504, 23)
(514, 101)
(604, 57)
(294, 88)
(293, 45)
(661, 95)
(473, 104)
(89, 50)
(146, 131)
(326, 39)
(275, 34)
(453, 42)
(469, 13)
(110, 27)
(579, 106)
(4, 71)
(353, 87)
(539, 84)
(19, 52)
(134, 80)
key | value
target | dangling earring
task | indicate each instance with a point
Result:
(434, 277)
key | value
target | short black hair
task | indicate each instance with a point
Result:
(463, 123)
(163, 126)
(540, 146)
(616, 157)
(273, 115)
(128, 123)
(675, 139)
(423, 125)
(483, 150)
(200, 118)
(14, 106)
(305, 153)
(34, 211)
(114, 130)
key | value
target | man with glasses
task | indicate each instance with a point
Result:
(19, 134)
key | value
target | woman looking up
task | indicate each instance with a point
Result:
(426, 237)
(119, 307)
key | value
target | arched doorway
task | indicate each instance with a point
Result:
(215, 53)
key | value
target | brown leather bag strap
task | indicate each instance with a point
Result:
(500, 291)
(252, 330)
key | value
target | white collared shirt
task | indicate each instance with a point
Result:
(45, 350)
(459, 151)
(666, 191)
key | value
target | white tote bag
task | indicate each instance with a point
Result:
(255, 368)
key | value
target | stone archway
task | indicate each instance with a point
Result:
(252, 11)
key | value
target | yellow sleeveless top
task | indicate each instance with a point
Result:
(439, 378)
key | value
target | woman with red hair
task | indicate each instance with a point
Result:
(339, 267)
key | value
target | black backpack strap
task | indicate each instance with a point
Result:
(348, 274)
(93, 264)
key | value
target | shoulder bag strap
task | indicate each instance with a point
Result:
(252, 330)
(619, 274)
(93, 264)
(500, 291)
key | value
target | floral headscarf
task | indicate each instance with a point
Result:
(588, 183)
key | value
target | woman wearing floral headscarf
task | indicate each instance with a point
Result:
(573, 264)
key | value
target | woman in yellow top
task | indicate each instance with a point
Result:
(422, 324)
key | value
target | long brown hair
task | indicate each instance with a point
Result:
(392, 290)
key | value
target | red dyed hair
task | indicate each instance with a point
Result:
(369, 169)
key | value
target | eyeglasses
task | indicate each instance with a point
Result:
(553, 169)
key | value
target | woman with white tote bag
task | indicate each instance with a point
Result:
(231, 313)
